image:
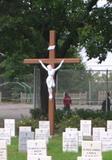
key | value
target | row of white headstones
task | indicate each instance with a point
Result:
(34, 143)
(93, 141)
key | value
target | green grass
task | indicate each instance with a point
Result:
(107, 155)
(13, 153)
(54, 150)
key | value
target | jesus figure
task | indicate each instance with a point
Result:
(50, 78)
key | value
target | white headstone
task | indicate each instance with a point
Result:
(36, 148)
(10, 123)
(79, 158)
(36, 157)
(85, 127)
(45, 125)
(70, 141)
(97, 131)
(109, 124)
(41, 133)
(91, 149)
(5, 134)
(23, 137)
(70, 129)
(25, 129)
(85, 158)
(106, 139)
(3, 150)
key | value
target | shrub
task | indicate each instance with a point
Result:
(35, 113)
(72, 121)
(98, 122)
(85, 114)
(63, 120)
(26, 122)
(99, 118)
(60, 114)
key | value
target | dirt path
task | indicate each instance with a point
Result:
(9, 110)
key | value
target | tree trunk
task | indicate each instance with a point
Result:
(43, 91)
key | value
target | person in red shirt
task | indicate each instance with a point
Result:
(67, 102)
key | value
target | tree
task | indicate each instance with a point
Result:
(25, 25)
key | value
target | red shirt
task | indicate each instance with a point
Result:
(67, 101)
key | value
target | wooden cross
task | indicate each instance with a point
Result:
(51, 60)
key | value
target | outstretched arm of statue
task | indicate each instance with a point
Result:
(59, 66)
(42, 64)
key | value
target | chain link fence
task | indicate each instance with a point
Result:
(86, 87)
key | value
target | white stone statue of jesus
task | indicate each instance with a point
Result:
(50, 78)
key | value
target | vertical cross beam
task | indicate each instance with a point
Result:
(51, 103)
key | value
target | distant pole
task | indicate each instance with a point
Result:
(106, 89)
(35, 95)
(89, 92)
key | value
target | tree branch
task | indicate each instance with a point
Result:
(68, 42)
(90, 5)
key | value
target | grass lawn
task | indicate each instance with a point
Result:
(54, 150)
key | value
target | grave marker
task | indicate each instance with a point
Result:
(85, 127)
(3, 150)
(45, 125)
(91, 149)
(10, 123)
(5, 134)
(70, 129)
(106, 139)
(23, 137)
(97, 131)
(109, 124)
(36, 157)
(42, 134)
(70, 141)
(85, 158)
(25, 129)
(36, 148)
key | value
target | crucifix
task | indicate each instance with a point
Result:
(52, 61)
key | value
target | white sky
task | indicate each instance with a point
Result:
(101, 3)
(93, 63)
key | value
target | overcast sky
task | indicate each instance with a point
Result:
(93, 63)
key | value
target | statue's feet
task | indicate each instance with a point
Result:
(50, 96)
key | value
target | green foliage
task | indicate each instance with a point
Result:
(59, 114)
(35, 113)
(88, 113)
(63, 120)
(73, 80)
(13, 153)
(99, 122)
(72, 121)
(24, 30)
(27, 122)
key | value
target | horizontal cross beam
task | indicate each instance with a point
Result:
(51, 61)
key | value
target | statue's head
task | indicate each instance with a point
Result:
(49, 67)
